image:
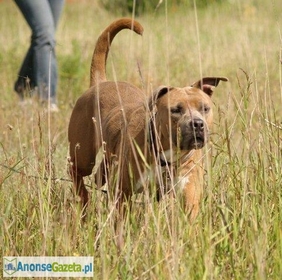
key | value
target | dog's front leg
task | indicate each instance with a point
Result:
(192, 187)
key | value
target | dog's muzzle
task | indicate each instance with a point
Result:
(194, 134)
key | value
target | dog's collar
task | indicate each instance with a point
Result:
(168, 158)
(152, 135)
(153, 143)
(164, 162)
(164, 158)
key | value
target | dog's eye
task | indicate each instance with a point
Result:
(206, 109)
(176, 110)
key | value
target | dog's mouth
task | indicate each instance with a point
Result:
(193, 142)
(191, 135)
(199, 142)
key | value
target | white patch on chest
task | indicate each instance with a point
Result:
(181, 183)
(166, 175)
(160, 176)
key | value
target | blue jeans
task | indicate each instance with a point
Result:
(39, 68)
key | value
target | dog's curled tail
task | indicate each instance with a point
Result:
(99, 58)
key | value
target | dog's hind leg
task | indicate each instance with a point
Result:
(79, 186)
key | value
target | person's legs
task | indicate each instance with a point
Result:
(56, 8)
(26, 81)
(41, 55)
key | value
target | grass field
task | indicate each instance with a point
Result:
(238, 233)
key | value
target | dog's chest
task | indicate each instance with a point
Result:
(166, 178)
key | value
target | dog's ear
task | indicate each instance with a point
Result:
(159, 92)
(208, 84)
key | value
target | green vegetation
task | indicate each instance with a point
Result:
(238, 232)
(138, 7)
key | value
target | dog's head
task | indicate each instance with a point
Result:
(184, 115)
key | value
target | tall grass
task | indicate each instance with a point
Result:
(238, 232)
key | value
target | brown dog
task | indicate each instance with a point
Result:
(140, 136)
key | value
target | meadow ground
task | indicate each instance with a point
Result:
(238, 233)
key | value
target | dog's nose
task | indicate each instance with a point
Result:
(197, 124)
